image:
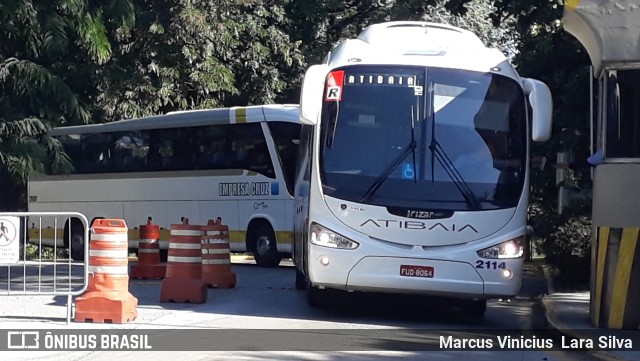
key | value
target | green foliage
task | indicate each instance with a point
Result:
(197, 55)
(319, 25)
(568, 248)
(34, 252)
(547, 52)
(93, 34)
(44, 44)
(66, 62)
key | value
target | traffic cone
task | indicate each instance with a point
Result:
(216, 259)
(107, 298)
(183, 279)
(148, 265)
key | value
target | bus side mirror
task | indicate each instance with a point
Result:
(542, 106)
(311, 94)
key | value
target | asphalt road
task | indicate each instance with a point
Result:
(264, 317)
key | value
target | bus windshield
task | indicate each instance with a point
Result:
(423, 138)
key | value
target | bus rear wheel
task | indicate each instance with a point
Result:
(74, 242)
(264, 246)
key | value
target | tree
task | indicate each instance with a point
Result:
(43, 42)
(321, 24)
(188, 55)
(547, 52)
(67, 62)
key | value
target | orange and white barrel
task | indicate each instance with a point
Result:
(148, 266)
(216, 257)
(107, 298)
(183, 278)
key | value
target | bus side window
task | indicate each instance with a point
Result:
(218, 158)
(249, 149)
(90, 160)
(241, 154)
(154, 159)
(166, 155)
(96, 157)
(218, 150)
(129, 151)
(204, 158)
(237, 158)
(260, 161)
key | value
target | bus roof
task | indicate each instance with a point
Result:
(418, 43)
(191, 118)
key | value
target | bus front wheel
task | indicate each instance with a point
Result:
(302, 282)
(264, 247)
(477, 308)
(317, 298)
(324, 298)
(472, 309)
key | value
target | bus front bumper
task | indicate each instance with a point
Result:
(417, 276)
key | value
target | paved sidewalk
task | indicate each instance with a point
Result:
(568, 315)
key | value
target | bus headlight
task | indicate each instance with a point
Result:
(324, 237)
(513, 248)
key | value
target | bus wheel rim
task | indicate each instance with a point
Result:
(263, 245)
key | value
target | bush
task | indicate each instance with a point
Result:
(566, 241)
(35, 253)
(568, 249)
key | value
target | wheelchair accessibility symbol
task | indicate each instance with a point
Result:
(407, 171)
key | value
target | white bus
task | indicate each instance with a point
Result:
(234, 163)
(413, 166)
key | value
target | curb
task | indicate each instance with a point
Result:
(559, 329)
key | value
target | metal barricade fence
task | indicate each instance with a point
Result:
(36, 251)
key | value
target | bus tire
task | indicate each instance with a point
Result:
(302, 282)
(316, 297)
(476, 309)
(472, 309)
(323, 298)
(263, 245)
(76, 249)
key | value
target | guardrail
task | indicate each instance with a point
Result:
(35, 254)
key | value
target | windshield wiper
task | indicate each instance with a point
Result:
(438, 153)
(411, 147)
(413, 140)
(453, 173)
(387, 171)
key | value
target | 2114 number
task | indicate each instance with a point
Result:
(490, 265)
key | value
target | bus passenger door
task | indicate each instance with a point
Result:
(301, 197)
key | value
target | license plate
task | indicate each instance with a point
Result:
(416, 271)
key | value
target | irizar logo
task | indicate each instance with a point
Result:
(418, 225)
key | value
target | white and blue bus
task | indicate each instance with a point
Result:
(413, 169)
(235, 163)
